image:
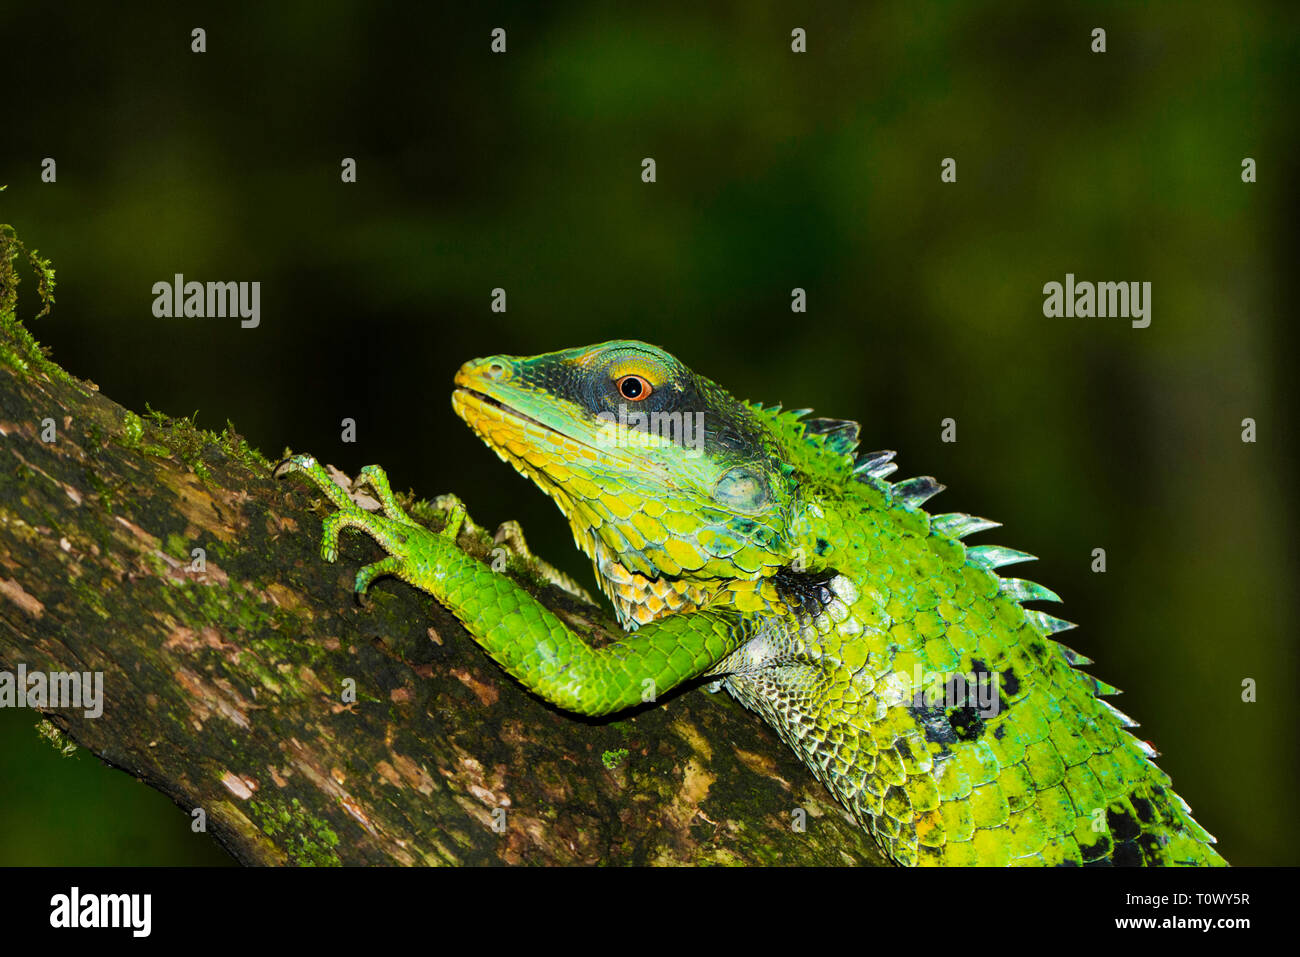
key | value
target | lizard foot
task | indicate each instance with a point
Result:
(393, 530)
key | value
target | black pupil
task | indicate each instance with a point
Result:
(631, 387)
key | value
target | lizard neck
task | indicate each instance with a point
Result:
(639, 600)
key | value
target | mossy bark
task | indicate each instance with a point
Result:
(226, 688)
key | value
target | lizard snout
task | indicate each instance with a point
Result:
(493, 369)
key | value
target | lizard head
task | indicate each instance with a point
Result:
(662, 474)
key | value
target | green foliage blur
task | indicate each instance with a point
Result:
(775, 170)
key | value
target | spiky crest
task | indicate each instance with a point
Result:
(833, 444)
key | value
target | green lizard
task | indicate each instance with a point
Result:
(760, 550)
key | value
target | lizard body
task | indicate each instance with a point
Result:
(757, 547)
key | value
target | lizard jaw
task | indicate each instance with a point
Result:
(507, 429)
(477, 403)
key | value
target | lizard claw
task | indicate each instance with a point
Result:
(388, 565)
(375, 478)
(456, 512)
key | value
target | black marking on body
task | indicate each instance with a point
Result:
(808, 593)
(1006, 682)
(1123, 825)
(934, 722)
(1153, 847)
(956, 718)
(1008, 686)
(1097, 853)
(1126, 854)
(1038, 649)
(1146, 811)
(967, 724)
(1009, 683)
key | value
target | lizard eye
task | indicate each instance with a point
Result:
(633, 387)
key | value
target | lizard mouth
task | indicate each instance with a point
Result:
(481, 401)
(496, 422)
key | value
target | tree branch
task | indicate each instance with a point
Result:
(224, 687)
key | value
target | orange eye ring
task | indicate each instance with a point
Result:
(634, 388)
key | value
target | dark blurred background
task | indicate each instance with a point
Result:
(775, 170)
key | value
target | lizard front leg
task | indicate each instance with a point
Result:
(533, 644)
